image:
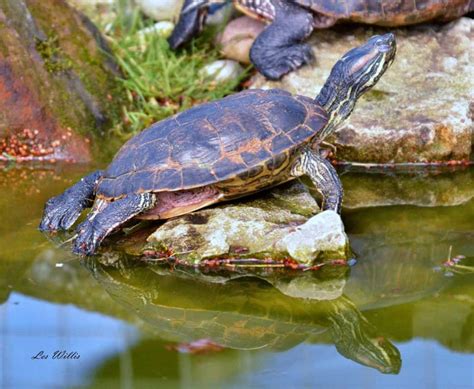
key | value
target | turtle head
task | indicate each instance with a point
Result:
(357, 339)
(191, 20)
(353, 75)
(378, 353)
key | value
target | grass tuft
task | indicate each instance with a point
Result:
(158, 81)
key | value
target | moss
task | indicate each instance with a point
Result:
(53, 57)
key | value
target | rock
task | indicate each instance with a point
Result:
(238, 37)
(88, 3)
(161, 9)
(322, 233)
(163, 29)
(420, 111)
(58, 86)
(257, 228)
(222, 70)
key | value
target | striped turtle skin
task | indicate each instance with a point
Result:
(247, 135)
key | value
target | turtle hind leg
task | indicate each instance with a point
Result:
(324, 177)
(99, 224)
(278, 49)
(62, 211)
(190, 23)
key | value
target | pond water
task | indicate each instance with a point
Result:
(394, 319)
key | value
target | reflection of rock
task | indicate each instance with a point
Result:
(421, 108)
(398, 249)
(421, 188)
(56, 83)
(245, 314)
(257, 228)
(238, 37)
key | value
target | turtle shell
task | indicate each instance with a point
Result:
(389, 12)
(213, 142)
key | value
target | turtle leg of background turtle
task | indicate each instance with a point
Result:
(328, 146)
(278, 49)
(324, 177)
(99, 224)
(189, 24)
(62, 211)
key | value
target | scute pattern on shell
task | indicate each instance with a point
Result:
(391, 12)
(213, 142)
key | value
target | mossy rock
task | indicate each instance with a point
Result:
(58, 82)
(280, 224)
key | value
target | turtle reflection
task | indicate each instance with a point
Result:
(247, 311)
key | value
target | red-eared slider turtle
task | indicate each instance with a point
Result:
(221, 150)
(246, 314)
(278, 49)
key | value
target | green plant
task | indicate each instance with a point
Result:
(158, 81)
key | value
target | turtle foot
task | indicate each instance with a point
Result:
(88, 239)
(60, 213)
(283, 61)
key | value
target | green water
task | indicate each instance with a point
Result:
(394, 319)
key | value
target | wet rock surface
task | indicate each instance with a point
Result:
(57, 86)
(277, 225)
(421, 110)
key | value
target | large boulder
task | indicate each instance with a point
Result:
(278, 224)
(58, 86)
(420, 111)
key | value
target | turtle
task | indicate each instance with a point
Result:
(246, 312)
(278, 49)
(222, 150)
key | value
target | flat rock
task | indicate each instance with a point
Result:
(58, 87)
(420, 111)
(267, 226)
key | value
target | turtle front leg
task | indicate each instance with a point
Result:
(324, 177)
(278, 49)
(190, 23)
(99, 224)
(62, 211)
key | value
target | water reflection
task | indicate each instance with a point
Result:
(283, 329)
(242, 312)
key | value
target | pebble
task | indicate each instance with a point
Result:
(160, 9)
(222, 70)
(163, 29)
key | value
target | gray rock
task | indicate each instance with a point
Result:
(420, 111)
(322, 233)
(257, 228)
(222, 70)
(160, 9)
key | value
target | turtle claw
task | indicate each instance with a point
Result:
(60, 213)
(88, 239)
(284, 61)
